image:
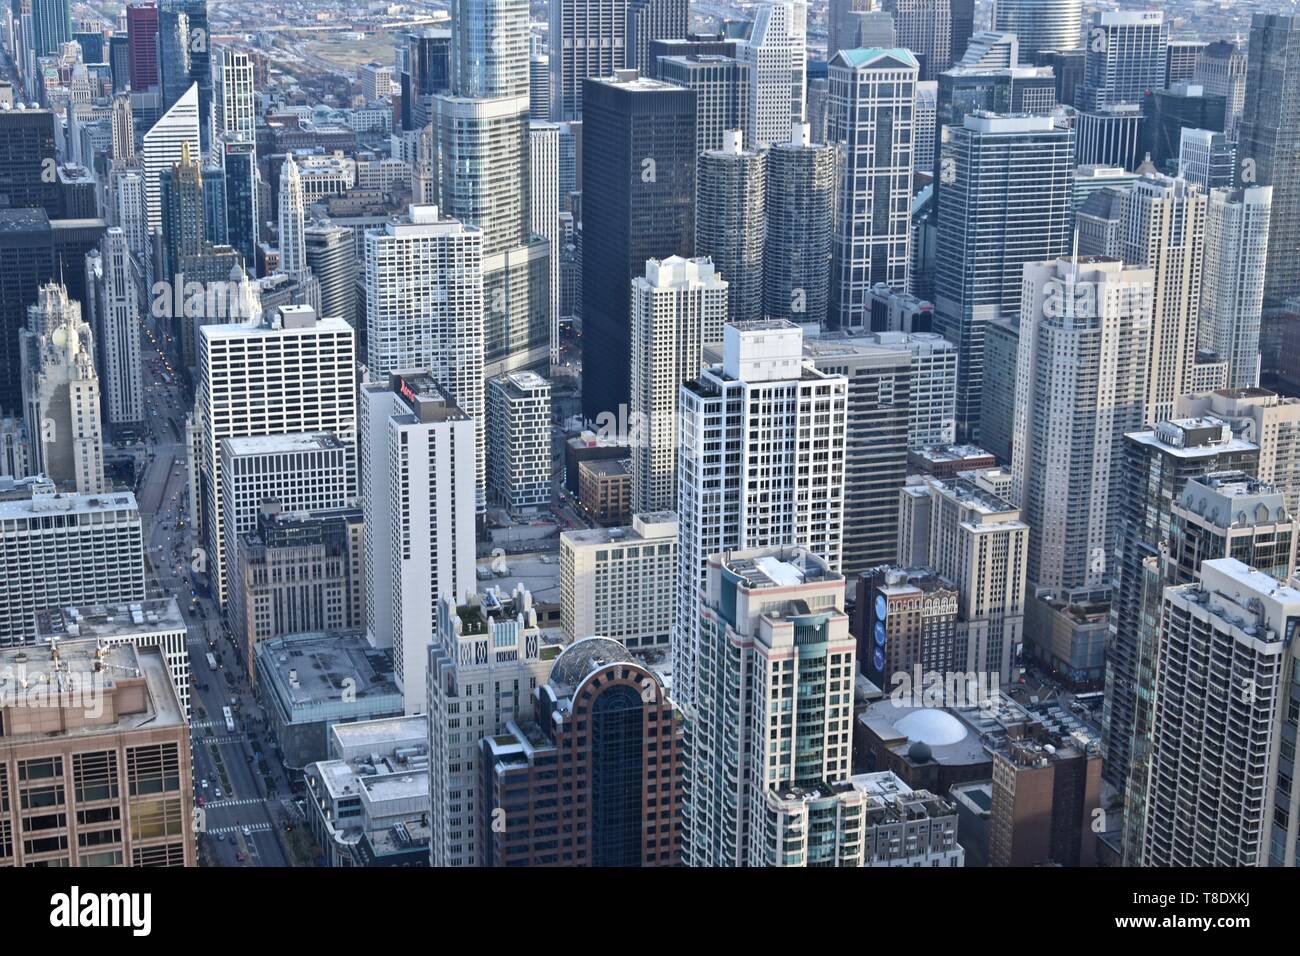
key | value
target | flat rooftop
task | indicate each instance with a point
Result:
(275, 444)
(22, 503)
(778, 569)
(155, 616)
(310, 669)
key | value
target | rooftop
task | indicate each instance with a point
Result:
(157, 616)
(289, 443)
(320, 668)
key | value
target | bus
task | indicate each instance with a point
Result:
(212, 662)
(230, 719)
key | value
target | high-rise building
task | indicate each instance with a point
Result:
(932, 392)
(424, 308)
(1181, 57)
(629, 812)
(539, 88)
(730, 222)
(1040, 25)
(722, 94)
(59, 550)
(925, 28)
(118, 323)
(1224, 663)
(1110, 135)
(876, 430)
(239, 168)
(164, 146)
(519, 442)
(870, 120)
(51, 26)
(235, 109)
(290, 372)
(184, 57)
(1232, 297)
(1003, 201)
(800, 211)
(61, 393)
(1221, 70)
(1207, 158)
(905, 618)
(612, 582)
(761, 460)
(486, 659)
(123, 129)
(106, 761)
(585, 40)
(544, 197)
(420, 505)
(180, 190)
(842, 19)
(1125, 57)
(646, 21)
(776, 661)
(1270, 123)
(1085, 330)
(1163, 229)
(28, 160)
(332, 259)
(776, 51)
(293, 246)
(142, 43)
(678, 309)
(638, 202)
(1166, 113)
(1156, 465)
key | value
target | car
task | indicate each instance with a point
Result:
(221, 838)
(246, 831)
(217, 793)
(204, 783)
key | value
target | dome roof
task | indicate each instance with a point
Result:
(919, 752)
(936, 728)
(582, 657)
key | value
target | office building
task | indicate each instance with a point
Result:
(646, 21)
(1270, 119)
(870, 119)
(776, 52)
(416, 446)
(1207, 158)
(780, 476)
(1080, 387)
(63, 550)
(595, 688)
(998, 167)
(332, 258)
(235, 110)
(905, 621)
(1040, 25)
(239, 171)
(1125, 57)
(585, 40)
(612, 581)
(293, 245)
(105, 765)
(1166, 113)
(1221, 70)
(299, 572)
(486, 659)
(544, 197)
(28, 160)
(142, 45)
(164, 146)
(932, 392)
(722, 94)
(117, 319)
(730, 222)
(61, 397)
(290, 372)
(925, 28)
(1110, 135)
(180, 189)
(638, 202)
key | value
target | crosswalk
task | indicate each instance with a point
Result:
(202, 724)
(216, 804)
(224, 739)
(252, 828)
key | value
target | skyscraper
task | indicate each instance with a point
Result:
(870, 119)
(1221, 70)
(649, 20)
(416, 448)
(519, 442)
(184, 56)
(142, 44)
(678, 307)
(776, 50)
(761, 460)
(544, 197)
(119, 330)
(293, 245)
(1125, 57)
(722, 94)
(1003, 201)
(1232, 297)
(1270, 126)
(424, 309)
(1163, 229)
(239, 168)
(800, 206)
(1085, 329)
(164, 145)
(585, 40)
(51, 26)
(181, 191)
(730, 222)
(332, 258)
(638, 201)
(924, 27)
(28, 160)
(234, 110)
(290, 372)
(1040, 24)
(61, 394)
